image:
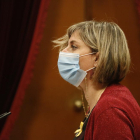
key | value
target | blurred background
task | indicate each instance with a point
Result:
(43, 105)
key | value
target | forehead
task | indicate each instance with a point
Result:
(75, 37)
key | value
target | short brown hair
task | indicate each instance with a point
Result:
(109, 40)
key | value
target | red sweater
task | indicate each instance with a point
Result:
(115, 117)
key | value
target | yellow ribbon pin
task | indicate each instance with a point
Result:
(79, 131)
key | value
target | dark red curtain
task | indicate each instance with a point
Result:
(21, 29)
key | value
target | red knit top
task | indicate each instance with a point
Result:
(115, 117)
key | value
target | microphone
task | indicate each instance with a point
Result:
(5, 114)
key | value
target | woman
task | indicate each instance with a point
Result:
(94, 57)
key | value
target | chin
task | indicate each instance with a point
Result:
(80, 87)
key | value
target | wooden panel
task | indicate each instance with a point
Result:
(47, 112)
(124, 13)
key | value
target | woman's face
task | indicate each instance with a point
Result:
(76, 45)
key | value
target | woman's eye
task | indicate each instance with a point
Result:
(73, 47)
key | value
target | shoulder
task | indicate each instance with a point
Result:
(117, 96)
(112, 123)
(118, 108)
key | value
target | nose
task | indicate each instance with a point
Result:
(65, 50)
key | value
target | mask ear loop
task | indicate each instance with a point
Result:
(87, 54)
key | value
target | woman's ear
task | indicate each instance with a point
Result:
(96, 59)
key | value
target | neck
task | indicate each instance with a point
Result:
(92, 91)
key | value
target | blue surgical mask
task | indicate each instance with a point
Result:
(69, 69)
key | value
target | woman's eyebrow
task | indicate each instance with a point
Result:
(73, 41)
